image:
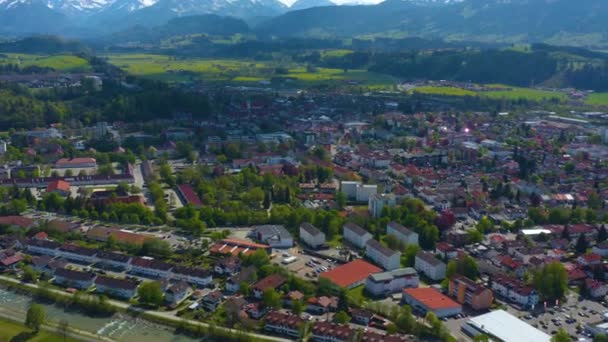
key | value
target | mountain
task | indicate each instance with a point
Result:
(29, 16)
(557, 21)
(305, 4)
(44, 45)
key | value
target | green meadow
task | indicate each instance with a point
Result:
(56, 62)
(597, 99)
(509, 93)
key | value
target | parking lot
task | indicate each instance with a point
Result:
(305, 266)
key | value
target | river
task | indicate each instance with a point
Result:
(120, 327)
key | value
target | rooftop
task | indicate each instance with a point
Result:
(508, 328)
(431, 298)
(351, 273)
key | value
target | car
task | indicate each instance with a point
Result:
(528, 316)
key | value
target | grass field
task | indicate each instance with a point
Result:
(597, 99)
(166, 68)
(11, 331)
(57, 62)
(509, 93)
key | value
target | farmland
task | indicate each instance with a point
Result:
(171, 69)
(597, 99)
(56, 62)
(509, 93)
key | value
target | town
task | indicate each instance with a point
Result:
(319, 216)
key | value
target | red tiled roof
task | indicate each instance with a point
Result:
(189, 194)
(20, 221)
(74, 161)
(431, 298)
(60, 185)
(273, 281)
(350, 273)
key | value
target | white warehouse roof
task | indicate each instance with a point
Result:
(505, 327)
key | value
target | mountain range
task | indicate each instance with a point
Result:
(561, 22)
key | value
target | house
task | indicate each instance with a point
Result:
(236, 247)
(427, 299)
(595, 289)
(514, 290)
(292, 297)
(212, 300)
(256, 310)
(330, 332)
(311, 236)
(71, 278)
(113, 259)
(189, 195)
(273, 281)
(321, 305)
(275, 236)
(102, 234)
(601, 249)
(77, 253)
(122, 288)
(466, 291)
(46, 264)
(75, 163)
(446, 250)
(350, 275)
(246, 275)
(44, 247)
(227, 266)
(59, 187)
(361, 316)
(402, 234)
(383, 256)
(370, 336)
(17, 221)
(192, 275)
(589, 259)
(284, 324)
(427, 264)
(177, 292)
(356, 235)
(10, 259)
(150, 267)
(386, 283)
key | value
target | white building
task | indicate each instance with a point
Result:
(3, 147)
(311, 236)
(427, 264)
(385, 257)
(377, 203)
(349, 189)
(365, 191)
(356, 235)
(403, 234)
(387, 283)
(275, 236)
(502, 326)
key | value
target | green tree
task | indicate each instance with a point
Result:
(581, 244)
(271, 298)
(594, 201)
(551, 281)
(156, 248)
(342, 317)
(298, 307)
(408, 258)
(29, 275)
(35, 318)
(561, 336)
(481, 338)
(465, 266)
(602, 234)
(485, 225)
(150, 293)
(340, 200)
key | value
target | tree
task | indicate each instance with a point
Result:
(474, 236)
(561, 336)
(551, 281)
(150, 293)
(298, 307)
(35, 317)
(465, 266)
(566, 233)
(156, 248)
(340, 200)
(29, 275)
(594, 201)
(271, 299)
(581, 244)
(408, 257)
(481, 338)
(602, 234)
(342, 317)
(485, 225)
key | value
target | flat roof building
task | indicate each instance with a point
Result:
(502, 326)
(352, 274)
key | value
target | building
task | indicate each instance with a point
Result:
(383, 256)
(212, 300)
(365, 192)
(466, 291)
(46, 265)
(77, 253)
(113, 259)
(322, 305)
(387, 283)
(349, 189)
(595, 289)
(515, 291)
(402, 234)
(44, 247)
(311, 236)
(150, 267)
(177, 293)
(500, 325)
(235, 247)
(378, 202)
(189, 195)
(122, 288)
(60, 187)
(427, 264)
(245, 276)
(330, 332)
(75, 163)
(273, 281)
(350, 275)
(284, 324)
(427, 299)
(228, 266)
(356, 235)
(71, 278)
(275, 236)
(193, 275)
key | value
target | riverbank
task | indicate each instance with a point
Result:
(164, 318)
(13, 329)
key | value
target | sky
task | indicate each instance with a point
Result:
(340, 2)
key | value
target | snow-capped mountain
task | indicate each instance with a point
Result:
(305, 4)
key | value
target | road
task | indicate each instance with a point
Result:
(163, 316)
